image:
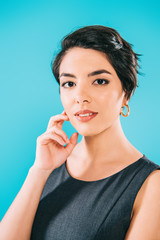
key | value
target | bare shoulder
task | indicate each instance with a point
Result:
(146, 211)
(150, 184)
(149, 187)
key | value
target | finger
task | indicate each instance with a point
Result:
(60, 132)
(59, 124)
(64, 112)
(57, 118)
(73, 141)
(48, 137)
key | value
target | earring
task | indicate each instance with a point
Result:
(128, 110)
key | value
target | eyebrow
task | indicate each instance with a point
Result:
(89, 75)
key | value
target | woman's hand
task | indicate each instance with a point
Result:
(50, 150)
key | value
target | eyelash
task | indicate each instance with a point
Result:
(106, 82)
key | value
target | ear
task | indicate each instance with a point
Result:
(125, 100)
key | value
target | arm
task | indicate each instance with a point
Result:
(18, 220)
(50, 154)
(145, 223)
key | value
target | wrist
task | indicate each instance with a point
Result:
(39, 172)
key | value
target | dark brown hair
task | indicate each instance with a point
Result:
(107, 40)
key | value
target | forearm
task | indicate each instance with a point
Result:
(18, 220)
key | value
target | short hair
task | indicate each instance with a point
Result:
(107, 40)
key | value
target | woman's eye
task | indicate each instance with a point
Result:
(102, 80)
(70, 85)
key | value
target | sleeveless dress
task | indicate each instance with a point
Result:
(72, 209)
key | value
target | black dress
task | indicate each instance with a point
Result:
(72, 209)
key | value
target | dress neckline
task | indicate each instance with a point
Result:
(100, 180)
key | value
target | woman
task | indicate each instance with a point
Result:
(102, 187)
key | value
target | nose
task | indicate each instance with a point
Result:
(81, 99)
(82, 93)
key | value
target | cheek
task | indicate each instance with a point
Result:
(116, 96)
(109, 98)
(66, 101)
(111, 104)
(63, 99)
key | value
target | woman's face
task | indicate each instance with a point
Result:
(82, 90)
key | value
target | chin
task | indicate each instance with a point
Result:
(87, 131)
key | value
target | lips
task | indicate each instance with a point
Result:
(85, 118)
(84, 112)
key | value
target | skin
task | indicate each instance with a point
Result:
(104, 149)
(103, 134)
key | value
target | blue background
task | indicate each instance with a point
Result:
(30, 35)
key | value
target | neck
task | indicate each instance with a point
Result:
(107, 145)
